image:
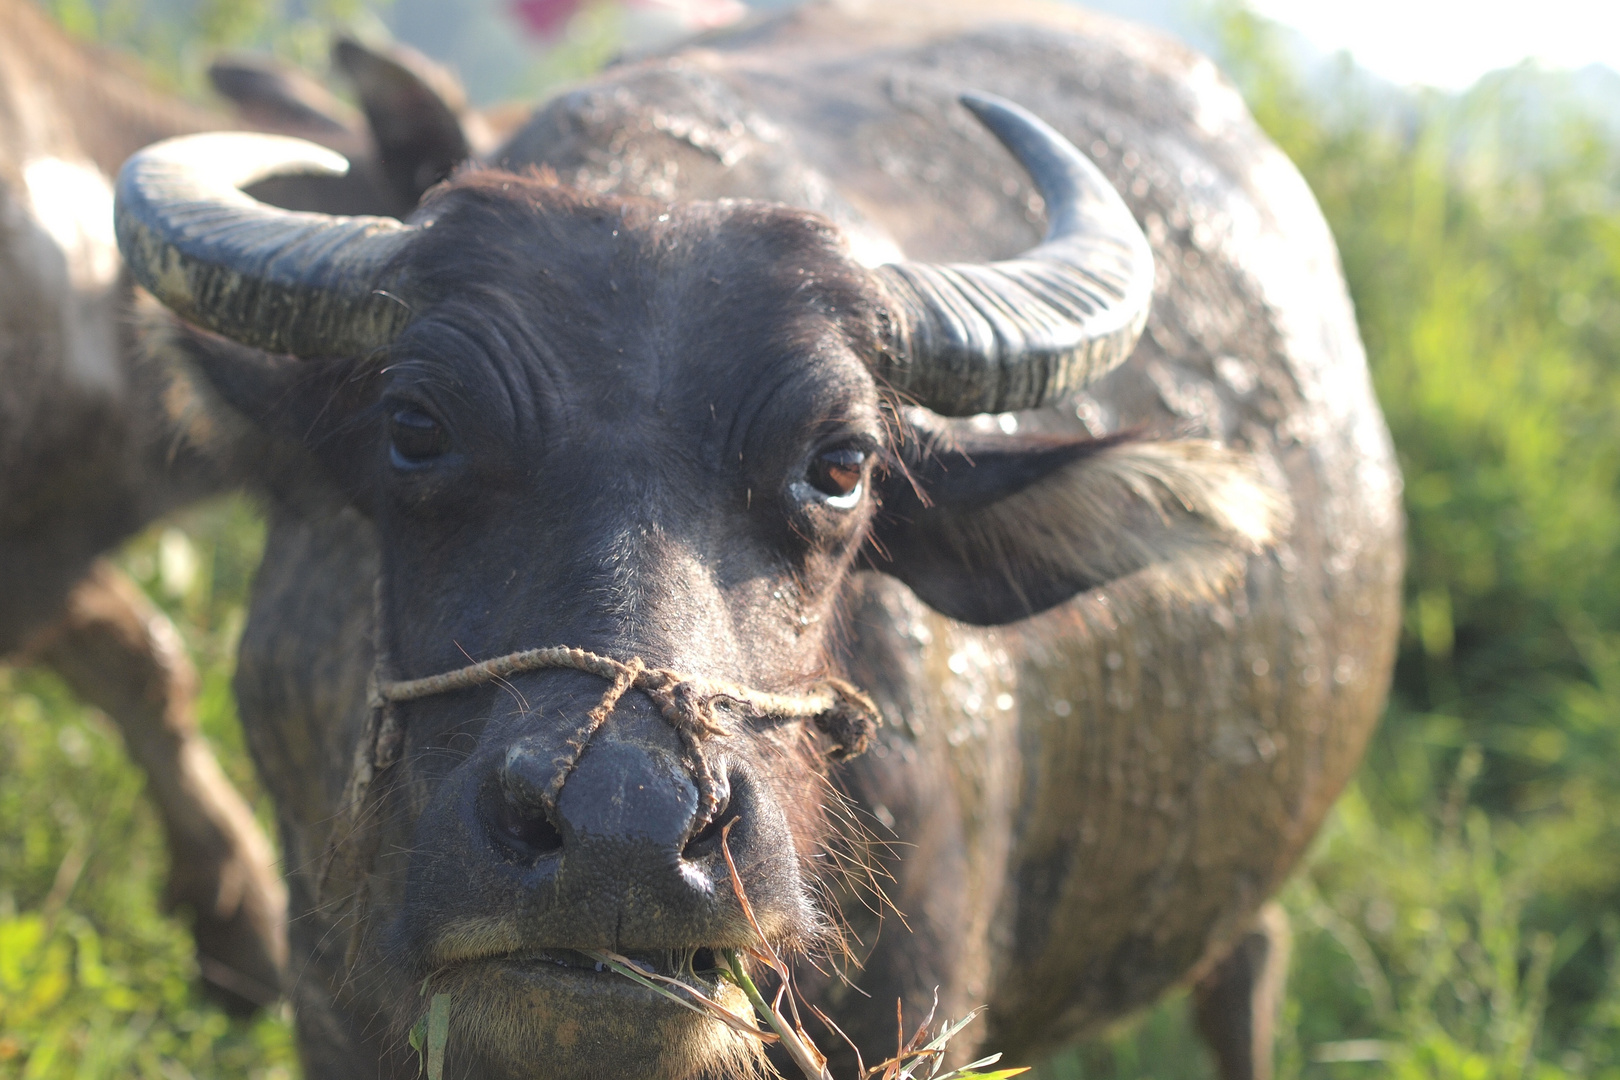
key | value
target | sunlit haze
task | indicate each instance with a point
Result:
(1451, 43)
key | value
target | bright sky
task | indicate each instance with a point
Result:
(1450, 43)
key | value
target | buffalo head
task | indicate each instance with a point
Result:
(667, 434)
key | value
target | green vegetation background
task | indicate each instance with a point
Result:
(1460, 915)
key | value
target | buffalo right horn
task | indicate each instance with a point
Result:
(993, 337)
(288, 282)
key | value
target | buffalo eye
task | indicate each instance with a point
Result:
(836, 473)
(415, 438)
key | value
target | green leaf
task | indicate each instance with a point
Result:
(418, 1041)
(438, 1033)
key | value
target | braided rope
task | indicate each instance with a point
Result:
(658, 683)
(843, 713)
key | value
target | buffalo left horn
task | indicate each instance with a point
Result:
(307, 284)
(993, 337)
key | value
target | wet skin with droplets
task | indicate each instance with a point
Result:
(1089, 802)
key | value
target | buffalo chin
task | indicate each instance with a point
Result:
(538, 1019)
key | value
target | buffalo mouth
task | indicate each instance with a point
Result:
(588, 973)
(698, 967)
(565, 1013)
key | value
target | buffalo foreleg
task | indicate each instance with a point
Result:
(121, 654)
(1237, 1002)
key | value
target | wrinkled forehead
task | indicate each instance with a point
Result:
(585, 284)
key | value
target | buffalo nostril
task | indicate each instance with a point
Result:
(516, 805)
(525, 830)
(706, 841)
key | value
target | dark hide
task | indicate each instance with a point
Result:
(1128, 648)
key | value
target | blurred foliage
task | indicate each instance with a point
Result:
(1460, 915)
(176, 39)
(589, 42)
(95, 980)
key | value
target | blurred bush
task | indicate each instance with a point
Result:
(176, 39)
(486, 42)
(96, 982)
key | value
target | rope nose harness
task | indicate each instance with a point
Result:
(839, 710)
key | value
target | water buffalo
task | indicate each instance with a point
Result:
(611, 490)
(88, 457)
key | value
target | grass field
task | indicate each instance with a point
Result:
(1458, 918)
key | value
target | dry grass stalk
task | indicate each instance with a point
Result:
(704, 1005)
(911, 1055)
(430, 1035)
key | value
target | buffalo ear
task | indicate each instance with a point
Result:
(417, 112)
(274, 96)
(278, 97)
(997, 530)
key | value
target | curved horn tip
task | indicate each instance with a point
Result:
(1007, 120)
(239, 158)
(1018, 333)
(1016, 128)
(982, 102)
(1066, 178)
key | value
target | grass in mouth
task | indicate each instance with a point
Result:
(431, 1034)
(920, 1057)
